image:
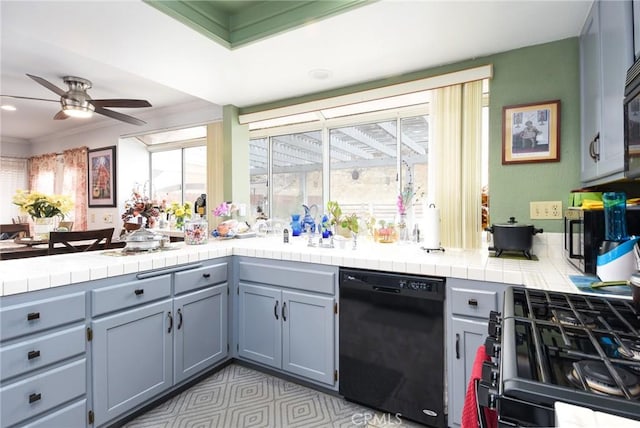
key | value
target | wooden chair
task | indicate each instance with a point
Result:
(80, 241)
(15, 230)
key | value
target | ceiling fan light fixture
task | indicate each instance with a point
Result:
(74, 108)
(76, 111)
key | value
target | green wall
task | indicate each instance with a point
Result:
(539, 73)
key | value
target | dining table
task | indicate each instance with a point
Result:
(20, 248)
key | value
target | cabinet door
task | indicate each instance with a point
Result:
(260, 335)
(200, 331)
(132, 358)
(465, 338)
(616, 43)
(308, 336)
(590, 90)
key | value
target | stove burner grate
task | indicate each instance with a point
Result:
(568, 318)
(629, 349)
(598, 378)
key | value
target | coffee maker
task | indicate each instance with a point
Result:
(616, 259)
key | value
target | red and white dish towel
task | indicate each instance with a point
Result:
(470, 409)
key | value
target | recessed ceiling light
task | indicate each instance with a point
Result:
(320, 74)
(8, 107)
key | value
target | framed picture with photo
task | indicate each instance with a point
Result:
(531, 133)
(102, 177)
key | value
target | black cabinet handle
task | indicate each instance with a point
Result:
(139, 291)
(457, 346)
(180, 318)
(33, 316)
(284, 311)
(473, 302)
(33, 354)
(275, 310)
(206, 275)
(34, 397)
(170, 322)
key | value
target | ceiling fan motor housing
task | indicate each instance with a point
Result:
(76, 97)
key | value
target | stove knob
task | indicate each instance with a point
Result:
(490, 373)
(487, 396)
(492, 347)
(494, 328)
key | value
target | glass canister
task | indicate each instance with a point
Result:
(196, 231)
(615, 216)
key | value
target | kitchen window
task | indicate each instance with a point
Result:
(361, 164)
(179, 175)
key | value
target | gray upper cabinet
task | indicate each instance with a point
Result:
(606, 52)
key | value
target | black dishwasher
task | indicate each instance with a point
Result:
(392, 343)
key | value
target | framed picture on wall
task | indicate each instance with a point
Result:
(531, 133)
(102, 177)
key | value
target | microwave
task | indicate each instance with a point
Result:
(584, 232)
(632, 122)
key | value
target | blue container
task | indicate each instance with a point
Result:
(615, 220)
(296, 227)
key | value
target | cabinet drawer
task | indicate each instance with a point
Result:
(74, 415)
(473, 303)
(201, 277)
(129, 294)
(43, 392)
(40, 315)
(301, 278)
(44, 350)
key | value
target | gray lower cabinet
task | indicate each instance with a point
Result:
(468, 306)
(288, 330)
(132, 358)
(200, 331)
(286, 317)
(43, 364)
(161, 339)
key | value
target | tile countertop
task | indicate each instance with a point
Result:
(550, 272)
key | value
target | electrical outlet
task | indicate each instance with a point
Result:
(107, 218)
(545, 210)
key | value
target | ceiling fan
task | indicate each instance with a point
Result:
(76, 102)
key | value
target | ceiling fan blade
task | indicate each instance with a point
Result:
(119, 116)
(114, 102)
(28, 98)
(47, 84)
(60, 116)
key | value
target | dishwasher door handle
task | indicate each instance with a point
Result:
(386, 290)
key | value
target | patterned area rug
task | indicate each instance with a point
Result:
(238, 397)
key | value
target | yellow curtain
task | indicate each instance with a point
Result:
(456, 160)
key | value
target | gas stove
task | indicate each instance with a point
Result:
(548, 347)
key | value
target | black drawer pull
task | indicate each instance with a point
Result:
(33, 354)
(33, 316)
(34, 397)
(206, 275)
(139, 291)
(473, 302)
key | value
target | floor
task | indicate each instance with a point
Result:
(238, 396)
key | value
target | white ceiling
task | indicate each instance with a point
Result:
(130, 50)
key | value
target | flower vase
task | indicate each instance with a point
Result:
(296, 227)
(42, 226)
(403, 229)
(179, 223)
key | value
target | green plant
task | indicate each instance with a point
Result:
(348, 221)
